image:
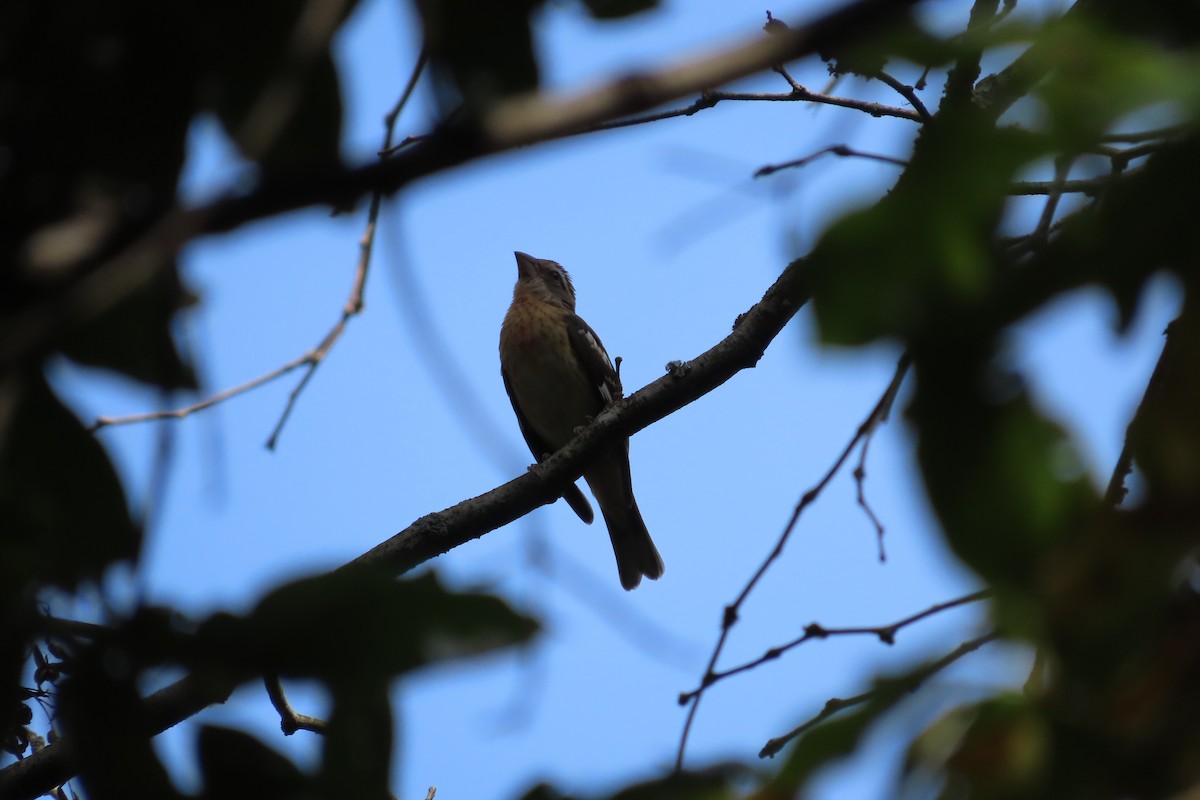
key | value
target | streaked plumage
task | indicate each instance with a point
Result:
(558, 377)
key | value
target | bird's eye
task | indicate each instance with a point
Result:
(558, 277)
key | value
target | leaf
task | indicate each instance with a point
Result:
(715, 782)
(1004, 480)
(838, 737)
(276, 94)
(925, 249)
(134, 336)
(100, 708)
(237, 766)
(483, 50)
(358, 742)
(998, 748)
(64, 510)
(127, 68)
(361, 624)
(618, 9)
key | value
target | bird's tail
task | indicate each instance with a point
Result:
(631, 542)
(635, 551)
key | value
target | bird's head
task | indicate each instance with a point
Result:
(546, 280)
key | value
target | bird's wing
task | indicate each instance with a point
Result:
(600, 371)
(594, 359)
(573, 495)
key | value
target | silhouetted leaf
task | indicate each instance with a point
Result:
(484, 50)
(128, 69)
(617, 9)
(276, 95)
(237, 766)
(358, 742)
(715, 782)
(99, 705)
(361, 624)
(134, 336)
(64, 511)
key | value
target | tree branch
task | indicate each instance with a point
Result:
(815, 630)
(878, 415)
(439, 532)
(101, 281)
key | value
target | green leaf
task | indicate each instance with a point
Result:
(998, 748)
(835, 738)
(1003, 479)
(927, 247)
(1097, 75)
(64, 510)
(237, 766)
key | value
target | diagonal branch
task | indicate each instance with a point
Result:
(102, 280)
(439, 532)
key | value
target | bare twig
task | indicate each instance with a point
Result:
(860, 496)
(411, 139)
(313, 358)
(907, 92)
(730, 615)
(839, 150)
(1062, 168)
(885, 634)
(1142, 136)
(1114, 495)
(798, 94)
(354, 303)
(1090, 186)
(910, 684)
(430, 794)
(289, 720)
(180, 413)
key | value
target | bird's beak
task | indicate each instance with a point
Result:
(526, 265)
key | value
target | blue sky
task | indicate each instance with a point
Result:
(668, 238)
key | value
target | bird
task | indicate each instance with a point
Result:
(559, 377)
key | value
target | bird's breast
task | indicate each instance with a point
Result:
(546, 379)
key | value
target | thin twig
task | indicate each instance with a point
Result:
(1062, 168)
(908, 684)
(798, 94)
(1142, 136)
(815, 630)
(730, 616)
(907, 92)
(430, 794)
(1114, 495)
(289, 720)
(1089, 186)
(840, 150)
(180, 413)
(366, 244)
(313, 358)
(411, 139)
(860, 495)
